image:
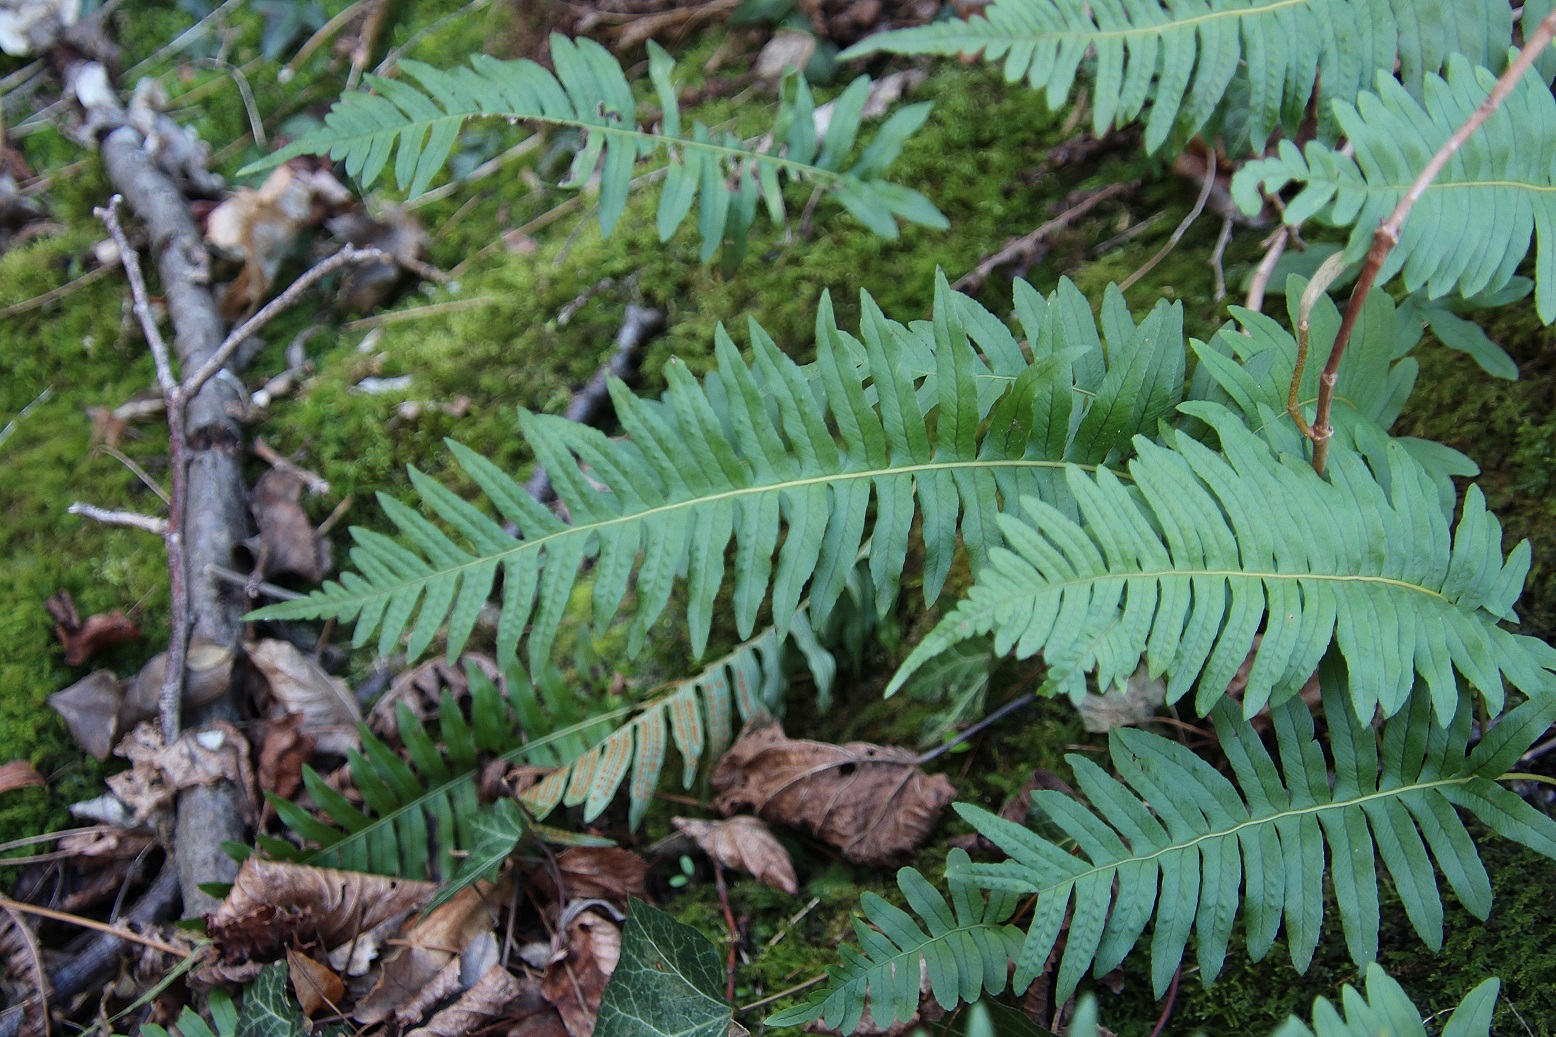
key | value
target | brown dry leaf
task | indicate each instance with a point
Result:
(871, 802)
(490, 998)
(596, 873)
(272, 901)
(207, 677)
(106, 844)
(576, 977)
(432, 945)
(284, 748)
(261, 226)
(330, 711)
(81, 639)
(212, 754)
(288, 544)
(318, 988)
(421, 690)
(90, 708)
(19, 774)
(745, 843)
(366, 287)
(23, 982)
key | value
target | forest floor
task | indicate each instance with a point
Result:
(532, 309)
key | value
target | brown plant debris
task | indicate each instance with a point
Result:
(596, 873)
(575, 979)
(287, 544)
(745, 843)
(85, 638)
(319, 989)
(872, 802)
(19, 774)
(299, 685)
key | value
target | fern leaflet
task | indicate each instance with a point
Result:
(589, 93)
(1257, 60)
(928, 426)
(1186, 845)
(967, 949)
(1207, 556)
(1474, 223)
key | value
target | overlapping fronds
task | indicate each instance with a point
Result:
(1474, 224)
(1385, 1010)
(965, 943)
(1173, 840)
(417, 816)
(1191, 60)
(720, 175)
(1216, 548)
(928, 426)
(1251, 363)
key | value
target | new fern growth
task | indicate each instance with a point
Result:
(720, 175)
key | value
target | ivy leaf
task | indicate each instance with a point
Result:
(267, 1011)
(668, 982)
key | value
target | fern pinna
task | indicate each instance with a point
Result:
(725, 178)
(928, 425)
(1246, 66)
(1210, 550)
(1174, 840)
(1473, 225)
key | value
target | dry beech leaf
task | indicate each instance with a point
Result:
(288, 544)
(490, 998)
(272, 901)
(319, 990)
(745, 843)
(871, 802)
(212, 754)
(81, 639)
(90, 708)
(428, 954)
(596, 873)
(329, 709)
(19, 774)
(207, 676)
(575, 979)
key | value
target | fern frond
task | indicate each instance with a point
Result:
(720, 175)
(1386, 1011)
(927, 425)
(967, 950)
(1473, 225)
(1192, 59)
(1251, 363)
(1208, 555)
(1174, 840)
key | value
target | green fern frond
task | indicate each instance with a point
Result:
(967, 948)
(1474, 224)
(1215, 548)
(1386, 1011)
(928, 427)
(1251, 363)
(1192, 59)
(717, 173)
(1176, 841)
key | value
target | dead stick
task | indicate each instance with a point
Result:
(1387, 235)
(130, 519)
(1022, 246)
(1182, 229)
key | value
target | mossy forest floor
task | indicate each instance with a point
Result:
(505, 348)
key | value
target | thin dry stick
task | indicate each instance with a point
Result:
(1266, 269)
(1387, 235)
(89, 923)
(131, 519)
(53, 293)
(1182, 229)
(1018, 248)
(170, 699)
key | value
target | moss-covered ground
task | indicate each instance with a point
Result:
(502, 347)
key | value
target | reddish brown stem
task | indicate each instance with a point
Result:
(1387, 235)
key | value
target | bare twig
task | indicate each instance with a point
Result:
(274, 308)
(237, 579)
(91, 923)
(27, 305)
(1387, 235)
(132, 519)
(170, 700)
(316, 483)
(1182, 228)
(1024, 246)
(1219, 253)
(1266, 269)
(21, 415)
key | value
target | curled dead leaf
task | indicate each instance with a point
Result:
(575, 980)
(872, 802)
(596, 873)
(90, 708)
(329, 709)
(212, 754)
(84, 639)
(19, 774)
(207, 676)
(745, 843)
(288, 544)
(491, 997)
(283, 749)
(273, 902)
